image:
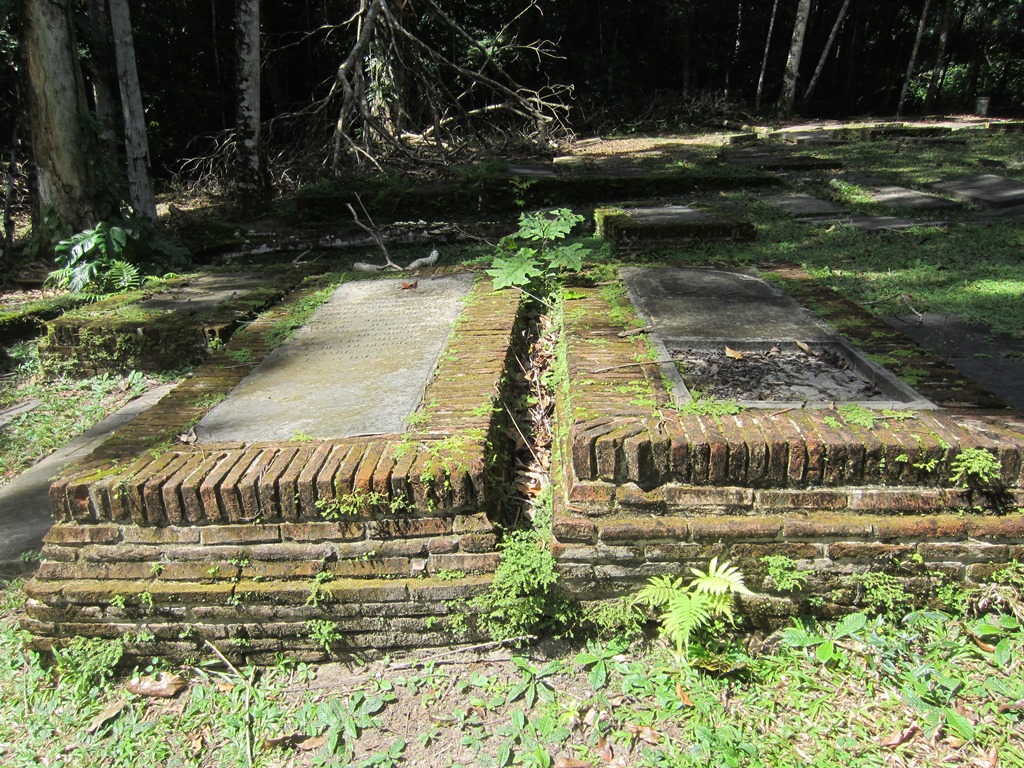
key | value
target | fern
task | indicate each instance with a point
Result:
(687, 608)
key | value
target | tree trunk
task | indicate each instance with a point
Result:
(101, 68)
(58, 107)
(913, 58)
(796, 47)
(250, 177)
(764, 59)
(828, 49)
(940, 58)
(136, 144)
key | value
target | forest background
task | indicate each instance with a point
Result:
(99, 98)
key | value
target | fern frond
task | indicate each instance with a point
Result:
(684, 614)
(122, 276)
(659, 590)
(724, 579)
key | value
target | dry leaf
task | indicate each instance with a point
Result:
(311, 743)
(683, 697)
(990, 759)
(164, 685)
(900, 737)
(806, 349)
(730, 352)
(644, 733)
(606, 749)
(572, 762)
(188, 438)
(108, 714)
(986, 647)
(409, 286)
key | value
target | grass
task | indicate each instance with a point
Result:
(67, 407)
(916, 690)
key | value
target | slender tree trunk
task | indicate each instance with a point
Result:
(938, 70)
(827, 51)
(101, 68)
(913, 58)
(796, 48)
(250, 177)
(764, 59)
(58, 108)
(735, 46)
(136, 144)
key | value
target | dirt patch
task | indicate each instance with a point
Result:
(774, 375)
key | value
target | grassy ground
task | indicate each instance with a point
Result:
(923, 689)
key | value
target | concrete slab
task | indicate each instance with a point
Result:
(359, 366)
(670, 225)
(908, 199)
(995, 363)
(25, 503)
(691, 306)
(800, 204)
(204, 293)
(985, 189)
(701, 309)
(871, 223)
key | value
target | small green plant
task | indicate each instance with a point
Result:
(531, 267)
(241, 355)
(87, 663)
(883, 593)
(113, 258)
(535, 685)
(447, 575)
(784, 573)
(974, 467)
(803, 635)
(522, 594)
(361, 502)
(857, 415)
(319, 592)
(323, 632)
(687, 608)
(704, 405)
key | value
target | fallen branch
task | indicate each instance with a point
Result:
(372, 233)
(631, 365)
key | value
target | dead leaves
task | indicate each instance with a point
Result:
(900, 737)
(164, 685)
(732, 353)
(297, 741)
(107, 715)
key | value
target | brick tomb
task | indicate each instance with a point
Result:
(650, 486)
(169, 541)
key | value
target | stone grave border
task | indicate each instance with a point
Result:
(115, 335)
(168, 545)
(648, 490)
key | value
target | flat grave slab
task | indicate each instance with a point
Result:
(902, 197)
(359, 366)
(871, 223)
(205, 293)
(777, 159)
(800, 204)
(716, 322)
(998, 365)
(670, 224)
(984, 188)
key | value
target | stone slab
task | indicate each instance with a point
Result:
(359, 366)
(800, 204)
(687, 306)
(693, 309)
(997, 364)
(908, 199)
(984, 188)
(670, 215)
(871, 223)
(204, 293)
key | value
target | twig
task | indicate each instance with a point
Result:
(372, 232)
(631, 365)
(537, 298)
(920, 317)
(248, 694)
(635, 331)
(514, 424)
(787, 410)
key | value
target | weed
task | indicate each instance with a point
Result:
(685, 609)
(209, 400)
(535, 684)
(319, 592)
(522, 595)
(241, 355)
(857, 415)
(974, 467)
(86, 664)
(360, 503)
(784, 573)
(323, 632)
(536, 268)
(883, 593)
(446, 575)
(702, 405)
